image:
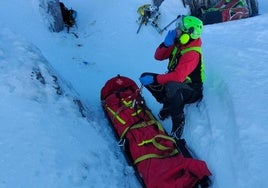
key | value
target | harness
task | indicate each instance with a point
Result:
(175, 55)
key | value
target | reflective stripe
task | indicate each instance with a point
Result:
(173, 62)
(202, 70)
(194, 48)
(199, 50)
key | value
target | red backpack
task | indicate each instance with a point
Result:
(222, 11)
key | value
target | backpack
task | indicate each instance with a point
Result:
(219, 11)
(225, 11)
(68, 16)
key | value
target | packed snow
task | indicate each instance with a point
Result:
(48, 139)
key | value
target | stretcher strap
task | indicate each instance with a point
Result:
(139, 125)
(127, 104)
(115, 114)
(152, 121)
(153, 155)
(158, 146)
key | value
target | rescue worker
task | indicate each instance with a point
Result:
(183, 82)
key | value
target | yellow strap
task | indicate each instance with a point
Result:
(136, 113)
(139, 125)
(116, 115)
(156, 144)
(153, 155)
(153, 140)
(143, 124)
(160, 127)
(127, 103)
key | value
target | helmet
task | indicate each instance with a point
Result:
(190, 25)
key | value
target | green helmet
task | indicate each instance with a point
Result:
(191, 25)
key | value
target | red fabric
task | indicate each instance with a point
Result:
(186, 63)
(174, 171)
(234, 14)
(117, 84)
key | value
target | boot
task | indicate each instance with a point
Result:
(164, 112)
(177, 126)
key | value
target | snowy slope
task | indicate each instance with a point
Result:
(45, 142)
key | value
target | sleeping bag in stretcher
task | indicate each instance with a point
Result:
(153, 153)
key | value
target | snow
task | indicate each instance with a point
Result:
(46, 142)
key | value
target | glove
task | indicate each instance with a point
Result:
(170, 38)
(147, 79)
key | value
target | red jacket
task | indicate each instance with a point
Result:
(187, 63)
